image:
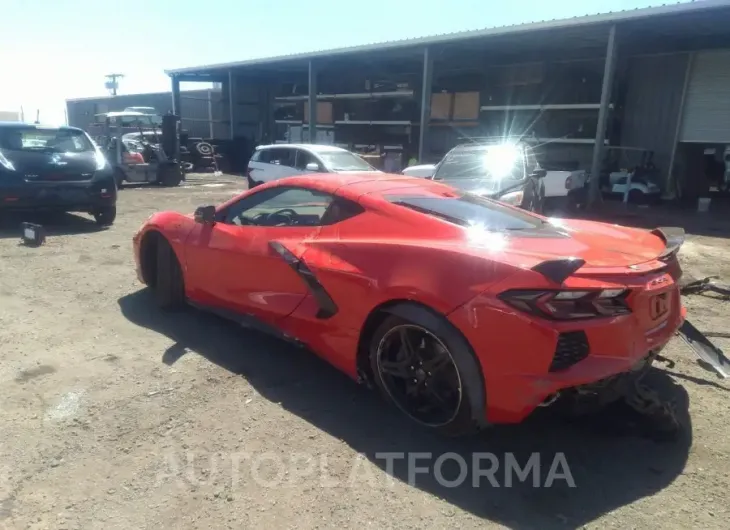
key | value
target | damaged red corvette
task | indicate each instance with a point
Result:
(462, 311)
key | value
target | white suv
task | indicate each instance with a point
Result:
(271, 162)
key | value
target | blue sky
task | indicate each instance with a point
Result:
(51, 50)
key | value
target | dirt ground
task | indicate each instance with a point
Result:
(114, 415)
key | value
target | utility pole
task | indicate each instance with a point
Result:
(111, 83)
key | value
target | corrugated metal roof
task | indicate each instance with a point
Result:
(598, 18)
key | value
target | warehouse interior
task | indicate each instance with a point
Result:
(655, 79)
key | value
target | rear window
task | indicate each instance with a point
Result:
(44, 139)
(469, 210)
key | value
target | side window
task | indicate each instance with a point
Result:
(284, 206)
(281, 156)
(304, 158)
(263, 155)
(340, 210)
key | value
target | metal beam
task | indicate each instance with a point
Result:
(231, 106)
(609, 70)
(680, 119)
(426, 85)
(312, 102)
(176, 107)
(202, 78)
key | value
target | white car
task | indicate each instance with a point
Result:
(272, 162)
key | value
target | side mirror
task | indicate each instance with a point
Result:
(312, 166)
(205, 215)
(539, 173)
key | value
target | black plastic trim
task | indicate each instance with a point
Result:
(559, 270)
(327, 306)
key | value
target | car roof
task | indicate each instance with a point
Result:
(315, 148)
(355, 184)
(25, 125)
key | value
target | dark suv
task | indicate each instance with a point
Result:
(57, 169)
(504, 171)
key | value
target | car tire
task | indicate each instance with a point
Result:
(169, 175)
(105, 216)
(469, 413)
(169, 286)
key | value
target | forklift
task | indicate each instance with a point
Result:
(142, 147)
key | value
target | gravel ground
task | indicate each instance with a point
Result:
(115, 415)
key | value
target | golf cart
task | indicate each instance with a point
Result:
(628, 174)
(141, 147)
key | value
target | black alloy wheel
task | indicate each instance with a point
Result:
(419, 375)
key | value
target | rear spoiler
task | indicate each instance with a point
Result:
(558, 270)
(673, 237)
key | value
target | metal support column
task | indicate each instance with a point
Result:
(211, 132)
(177, 111)
(609, 70)
(231, 105)
(426, 85)
(176, 96)
(312, 103)
(680, 118)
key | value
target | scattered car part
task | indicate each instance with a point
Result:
(698, 341)
(204, 148)
(704, 285)
(705, 350)
(33, 235)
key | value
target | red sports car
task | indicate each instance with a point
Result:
(463, 311)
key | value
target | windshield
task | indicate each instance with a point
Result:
(44, 139)
(469, 211)
(492, 162)
(344, 161)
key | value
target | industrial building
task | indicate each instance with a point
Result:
(203, 113)
(9, 115)
(656, 79)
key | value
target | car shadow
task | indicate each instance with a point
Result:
(55, 224)
(610, 467)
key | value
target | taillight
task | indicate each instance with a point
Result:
(569, 305)
(569, 182)
(133, 158)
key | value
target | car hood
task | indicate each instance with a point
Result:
(420, 167)
(39, 162)
(600, 245)
(485, 187)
